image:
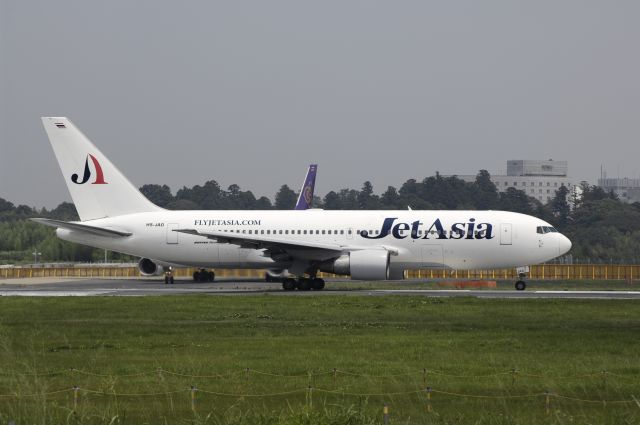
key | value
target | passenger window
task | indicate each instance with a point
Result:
(323, 232)
(280, 231)
(329, 232)
(342, 232)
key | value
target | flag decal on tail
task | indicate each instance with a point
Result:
(87, 172)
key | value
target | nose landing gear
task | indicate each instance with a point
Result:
(521, 284)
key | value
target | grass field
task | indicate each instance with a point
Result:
(501, 284)
(378, 345)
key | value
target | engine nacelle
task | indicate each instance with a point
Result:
(148, 267)
(366, 264)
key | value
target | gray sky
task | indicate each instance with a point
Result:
(251, 92)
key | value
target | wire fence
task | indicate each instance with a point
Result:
(626, 272)
(427, 391)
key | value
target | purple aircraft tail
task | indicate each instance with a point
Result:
(305, 199)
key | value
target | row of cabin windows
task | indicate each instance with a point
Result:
(292, 232)
(335, 232)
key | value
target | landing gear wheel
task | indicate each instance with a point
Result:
(196, 276)
(211, 276)
(317, 284)
(304, 284)
(268, 278)
(288, 284)
(521, 285)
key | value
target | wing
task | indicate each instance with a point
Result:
(276, 248)
(99, 231)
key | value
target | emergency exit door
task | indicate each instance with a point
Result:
(505, 234)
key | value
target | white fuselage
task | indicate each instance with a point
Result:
(416, 239)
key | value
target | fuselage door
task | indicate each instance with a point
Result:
(505, 233)
(172, 237)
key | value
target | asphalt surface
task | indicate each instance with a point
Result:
(51, 287)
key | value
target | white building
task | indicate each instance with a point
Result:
(628, 190)
(537, 178)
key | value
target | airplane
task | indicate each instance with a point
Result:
(366, 245)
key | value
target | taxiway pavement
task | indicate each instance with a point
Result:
(49, 287)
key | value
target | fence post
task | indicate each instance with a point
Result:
(76, 390)
(193, 398)
(429, 408)
(385, 414)
(547, 401)
(310, 397)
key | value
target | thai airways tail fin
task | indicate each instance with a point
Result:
(305, 199)
(97, 187)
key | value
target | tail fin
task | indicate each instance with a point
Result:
(97, 187)
(305, 199)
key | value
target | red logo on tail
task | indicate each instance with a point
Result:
(87, 172)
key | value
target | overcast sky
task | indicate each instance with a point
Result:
(251, 92)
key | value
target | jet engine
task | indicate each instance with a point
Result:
(148, 267)
(366, 264)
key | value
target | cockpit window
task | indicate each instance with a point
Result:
(546, 229)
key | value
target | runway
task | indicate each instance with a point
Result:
(48, 287)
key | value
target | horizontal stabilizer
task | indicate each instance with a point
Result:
(98, 231)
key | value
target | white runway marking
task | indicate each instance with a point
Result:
(20, 293)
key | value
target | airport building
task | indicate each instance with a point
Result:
(628, 190)
(537, 178)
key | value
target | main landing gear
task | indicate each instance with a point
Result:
(303, 284)
(203, 275)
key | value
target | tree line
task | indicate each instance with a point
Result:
(601, 227)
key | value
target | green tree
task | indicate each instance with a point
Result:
(486, 196)
(158, 194)
(560, 208)
(285, 198)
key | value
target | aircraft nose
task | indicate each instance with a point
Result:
(564, 244)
